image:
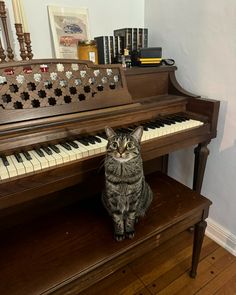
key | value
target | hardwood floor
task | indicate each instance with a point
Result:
(165, 271)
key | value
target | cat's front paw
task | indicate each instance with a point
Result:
(119, 237)
(130, 234)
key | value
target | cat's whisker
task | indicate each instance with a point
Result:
(101, 165)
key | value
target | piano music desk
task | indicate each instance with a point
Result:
(72, 249)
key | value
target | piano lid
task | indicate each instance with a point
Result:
(51, 87)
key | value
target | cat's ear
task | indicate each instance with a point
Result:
(109, 132)
(137, 133)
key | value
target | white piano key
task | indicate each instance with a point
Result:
(89, 148)
(103, 144)
(82, 147)
(70, 153)
(57, 157)
(19, 166)
(65, 156)
(3, 171)
(77, 151)
(11, 168)
(27, 164)
(42, 160)
(34, 161)
(50, 159)
(95, 147)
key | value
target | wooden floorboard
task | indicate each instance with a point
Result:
(164, 271)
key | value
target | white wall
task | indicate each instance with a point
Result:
(104, 17)
(201, 37)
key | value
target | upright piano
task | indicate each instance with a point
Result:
(52, 118)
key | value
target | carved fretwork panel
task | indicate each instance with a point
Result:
(45, 85)
(53, 84)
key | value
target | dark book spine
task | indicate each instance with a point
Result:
(112, 49)
(128, 35)
(145, 38)
(101, 49)
(106, 46)
(134, 39)
(140, 38)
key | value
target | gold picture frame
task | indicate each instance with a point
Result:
(68, 27)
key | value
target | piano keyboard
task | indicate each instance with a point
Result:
(53, 155)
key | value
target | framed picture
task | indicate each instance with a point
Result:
(68, 26)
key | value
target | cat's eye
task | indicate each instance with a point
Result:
(129, 145)
(114, 145)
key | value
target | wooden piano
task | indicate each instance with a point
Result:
(52, 119)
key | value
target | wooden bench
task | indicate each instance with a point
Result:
(71, 249)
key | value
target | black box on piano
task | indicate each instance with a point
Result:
(151, 56)
(106, 49)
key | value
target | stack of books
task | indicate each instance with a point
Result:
(134, 38)
(111, 47)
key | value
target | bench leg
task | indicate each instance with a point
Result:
(199, 231)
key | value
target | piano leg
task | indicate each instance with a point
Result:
(199, 231)
(201, 154)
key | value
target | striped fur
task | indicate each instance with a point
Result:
(126, 196)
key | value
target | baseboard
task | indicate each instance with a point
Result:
(221, 236)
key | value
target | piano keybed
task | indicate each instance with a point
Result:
(47, 156)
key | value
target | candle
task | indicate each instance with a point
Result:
(16, 12)
(23, 17)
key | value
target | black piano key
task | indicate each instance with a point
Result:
(97, 139)
(91, 139)
(156, 124)
(166, 122)
(83, 141)
(145, 127)
(39, 152)
(18, 158)
(159, 122)
(47, 150)
(130, 129)
(171, 120)
(4, 160)
(73, 144)
(177, 119)
(183, 118)
(102, 135)
(150, 125)
(55, 148)
(27, 155)
(66, 146)
(124, 130)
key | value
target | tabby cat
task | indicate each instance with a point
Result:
(126, 196)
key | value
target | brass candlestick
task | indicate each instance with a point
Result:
(2, 54)
(28, 45)
(20, 38)
(3, 16)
